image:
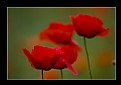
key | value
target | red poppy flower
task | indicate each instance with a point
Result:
(59, 34)
(42, 57)
(68, 57)
(88, 26)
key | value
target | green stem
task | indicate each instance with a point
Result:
(61, 73)
(88, 61)
(42, 75)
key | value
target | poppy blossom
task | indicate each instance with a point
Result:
(88, 26)
(59, 34)
(68, 57)
(42, 57)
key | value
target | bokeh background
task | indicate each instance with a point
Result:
(24, 25)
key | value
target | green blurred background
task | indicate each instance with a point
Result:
(24, 25)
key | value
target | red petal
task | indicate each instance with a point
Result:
(57, 33)
(43, 35)
(70, 67)
(70, 54)
(76, 26)
(29, 56)
(97, 21)
(45, 57)
(75, 45)
(104, 33)
(72, 18)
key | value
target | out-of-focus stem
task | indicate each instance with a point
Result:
(42, 75)
(88, 60)
(61, 73)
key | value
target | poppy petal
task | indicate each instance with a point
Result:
(75, 45)
(45, 57)
(29, 56)
(104, 33)
(43, 35)
(58, 33)
(70, 67)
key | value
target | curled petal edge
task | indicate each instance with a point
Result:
(70, 68)
(104, 33)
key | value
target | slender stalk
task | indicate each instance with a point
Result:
(88, 60)
(42, 75)
(61, 73)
